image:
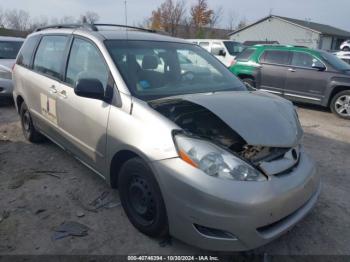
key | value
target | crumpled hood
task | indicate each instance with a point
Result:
(258, 117)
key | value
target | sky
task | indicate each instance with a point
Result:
(331, 12)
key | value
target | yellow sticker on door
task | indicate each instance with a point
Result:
(48, 108)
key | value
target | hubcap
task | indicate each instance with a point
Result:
(142, 200)
(342, 105)
(26, 121)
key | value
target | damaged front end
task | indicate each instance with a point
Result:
(199, 122)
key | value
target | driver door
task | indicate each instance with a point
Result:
(83, 121)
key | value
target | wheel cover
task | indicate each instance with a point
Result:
(26, 121)
(342, 105)
(141, 201)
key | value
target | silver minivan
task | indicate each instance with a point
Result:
(191, 151)
(9, 47)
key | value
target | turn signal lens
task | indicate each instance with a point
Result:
(187, 159)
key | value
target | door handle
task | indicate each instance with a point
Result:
(291, 70)
(53, 89)
(63, 94)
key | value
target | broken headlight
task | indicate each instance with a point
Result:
(214, 160)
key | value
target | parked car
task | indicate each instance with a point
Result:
(343, 55)
(297, 73)
(224, 50)
(198, 157)
(9, 47)
(345, 46)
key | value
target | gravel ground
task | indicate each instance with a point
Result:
(41, 186)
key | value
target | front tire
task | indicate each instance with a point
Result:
(29, 131)
(340, 104)
(346, 49)
(141, 198)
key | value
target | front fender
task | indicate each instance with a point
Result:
(335, 83)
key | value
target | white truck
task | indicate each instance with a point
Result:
(224, 50)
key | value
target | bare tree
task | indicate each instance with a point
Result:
(168, 16)
(216, 17)
(54, 21)
(2, 18)
(232, 20)
(67, 20)
(17, 19)
(89, 17)
(242, 23)
(38, 22)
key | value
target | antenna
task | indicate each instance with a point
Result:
(271, 11)
(126, 12)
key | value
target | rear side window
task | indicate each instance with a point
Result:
(26, 53)
(50, 54)
(245, 55)
(275, 57)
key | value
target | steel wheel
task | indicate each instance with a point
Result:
(29, 130)
(141, 200)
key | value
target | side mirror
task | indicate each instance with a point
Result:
(222, 52)
(89, 88)
(319, 67)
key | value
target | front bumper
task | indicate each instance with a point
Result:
(254, 212)
(6, 87)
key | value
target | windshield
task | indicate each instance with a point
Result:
(9, 49)
(153, 69)
(336, 62)
(234, 48)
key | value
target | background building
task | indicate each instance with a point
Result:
(289, 31)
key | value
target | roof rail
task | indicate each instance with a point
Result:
(59, 26)
(126, 26)
(92, 27)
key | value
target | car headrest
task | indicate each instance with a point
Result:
(149, 62)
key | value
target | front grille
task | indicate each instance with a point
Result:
(282, 163)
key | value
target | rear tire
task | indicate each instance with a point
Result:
(346, 49)
(249, 83)
(340, 104)
(141, 198)
(29, 131)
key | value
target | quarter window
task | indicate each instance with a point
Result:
(26, 53)
(86, 61)
(245, 55)
(204, 45)
(50, 54)
(275, 57)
